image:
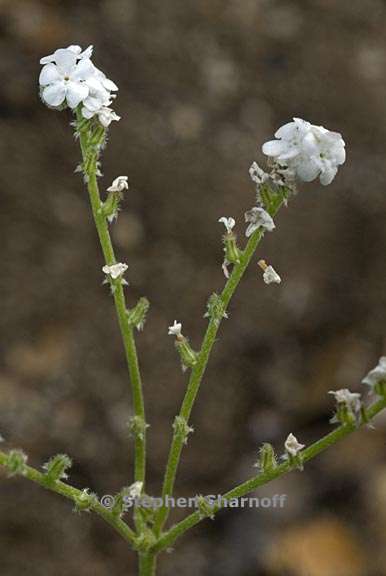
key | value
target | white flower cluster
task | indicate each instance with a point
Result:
(309, 151)
(69, 78)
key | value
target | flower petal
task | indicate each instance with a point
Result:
(87, 113)
(328, 175)
(109, 85)
(274, 148)
(54, 94)
(74, 48)
(65, 60)
(92, 103)
(75, 93)
(83, 70)
(47, 59)
(307, 170)
(49, 74)
(286, 131)
(87, 53)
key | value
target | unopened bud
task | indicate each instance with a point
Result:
(16, 462)
(137, 427)
(137, 315)
(182, 428)
(205, 509)
(216, 310)
(267, 459)
(56, 468)
(84, 501)
(187, 354)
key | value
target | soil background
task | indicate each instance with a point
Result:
(203, 84)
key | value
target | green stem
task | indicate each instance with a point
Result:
(120, 305)
(147, 564)
(168, 538)
(199, 370)
(74, 494)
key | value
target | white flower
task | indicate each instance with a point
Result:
(115, 270)
(77, 50)
(119, 184)
(349, 406)
(270, 276)
(175, 330)
(350, 399)
(69, 77)
(377, 374)
(99, 97)
(63, 78)
(258, 218)
(106, 115)
(309, 150)
(257, 174)
(292, 445)
(229, 223)
(135, 490)
(344, 396)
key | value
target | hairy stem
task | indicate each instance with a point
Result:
(147, 564)
(90, 164)
(75, 495)
(199, 370)
(168, 538)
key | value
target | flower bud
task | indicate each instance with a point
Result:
(137, 427)
(267, 459)
(137, 315)
(232, 253)
(84, 501)
(187, 354)
(16, 462)
(205, 509)
(215, 309)
(182, 428)
(56, 468)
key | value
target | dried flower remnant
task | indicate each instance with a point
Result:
(257, 218)
(119, 184)
(270, 275)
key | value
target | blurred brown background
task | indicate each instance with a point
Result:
(202, 85)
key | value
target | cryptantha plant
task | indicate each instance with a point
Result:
(300, 151)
